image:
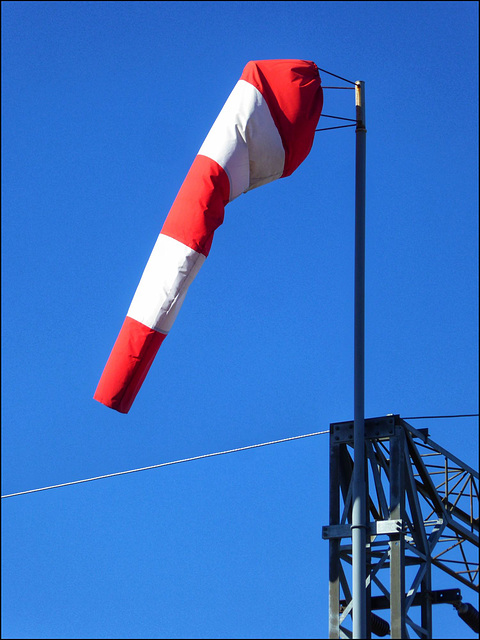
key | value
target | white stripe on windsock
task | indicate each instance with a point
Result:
(245, 141)
(170, 270)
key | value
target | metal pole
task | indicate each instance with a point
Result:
(359, 515)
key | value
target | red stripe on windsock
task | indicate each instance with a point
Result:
(294, 96)
(128, 364)
(199, 208)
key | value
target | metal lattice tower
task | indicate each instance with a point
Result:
(422, 506)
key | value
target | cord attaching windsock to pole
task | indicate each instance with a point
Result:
(264, 132)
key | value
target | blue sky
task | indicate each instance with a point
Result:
(104, 107)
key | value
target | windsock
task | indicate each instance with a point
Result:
(264, 131)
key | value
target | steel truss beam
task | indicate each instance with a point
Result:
(422, 505)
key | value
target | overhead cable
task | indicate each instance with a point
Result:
(165, 464)
(458, 415)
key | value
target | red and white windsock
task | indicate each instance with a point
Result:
(264, 131)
